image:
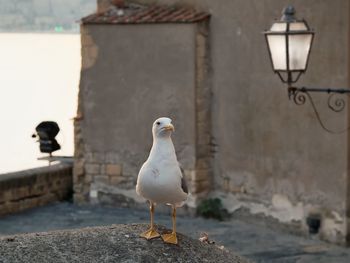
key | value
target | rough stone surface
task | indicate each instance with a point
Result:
(116, 243)
(253, 237)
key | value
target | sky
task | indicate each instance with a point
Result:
(39, 81)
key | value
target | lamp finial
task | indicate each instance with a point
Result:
(288, 14)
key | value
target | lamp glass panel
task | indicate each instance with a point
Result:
(299, 47)
(277, 46)
(279, 27)
(297, 26)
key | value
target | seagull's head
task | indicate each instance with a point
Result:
(162, 127)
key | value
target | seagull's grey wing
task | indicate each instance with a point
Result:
(183, 181)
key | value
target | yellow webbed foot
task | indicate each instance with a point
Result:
(170, 238)
(150, 234)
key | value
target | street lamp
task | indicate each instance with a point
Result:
(289, 42)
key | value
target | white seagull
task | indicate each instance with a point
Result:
(160, 179)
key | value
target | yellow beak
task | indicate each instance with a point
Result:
(169, 127)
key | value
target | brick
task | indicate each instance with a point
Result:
(86, 189)
(88, 178)
(39, 189)
(201, 186)
(79, 199)
(78, 188)
(113, 169)
(111, 157)
(57, 184)
(92, 168)
(67, 181)
(203, 150)
(103, 169)
(77, 180)
(41, 179)
(86, 40)
(204, 138)
(203, 115)
(203, 163)
(88, 156)
(201, 40)
(98, 157)
(102, 179)
(7, 195)
(2, 197)
(116, 180)
(203, 127)
(84, 30)
(200, 175)
(78, 169)
(189, 175)
(93, 53)
(20, 193)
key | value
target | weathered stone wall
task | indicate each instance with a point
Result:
(268, 155)
(35, 187)
(202, 179)
(122, 94)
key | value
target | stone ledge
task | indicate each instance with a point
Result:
(34, 171)
(115, 243)
(34, 187)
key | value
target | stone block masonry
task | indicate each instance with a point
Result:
(95, 174)
(202, 179)
(35, 187)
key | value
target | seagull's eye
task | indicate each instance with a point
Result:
(158, 123)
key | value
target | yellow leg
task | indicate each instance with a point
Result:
(171, 238)
(151, 233)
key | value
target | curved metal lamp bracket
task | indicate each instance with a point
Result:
(300, 95)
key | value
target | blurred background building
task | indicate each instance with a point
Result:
(205, 64)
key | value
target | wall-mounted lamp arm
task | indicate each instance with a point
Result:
(326, 90)
(336, 104)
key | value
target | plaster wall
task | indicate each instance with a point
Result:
(271, 154)
(142, 74)
(132, 74)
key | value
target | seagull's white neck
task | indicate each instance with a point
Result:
(163, 148)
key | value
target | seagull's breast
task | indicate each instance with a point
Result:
(160, 182)
(159, 179)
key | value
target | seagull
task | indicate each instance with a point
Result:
(161, 179)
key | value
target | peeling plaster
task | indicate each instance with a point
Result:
(98, 187)
(333, 225)
(333, 228)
